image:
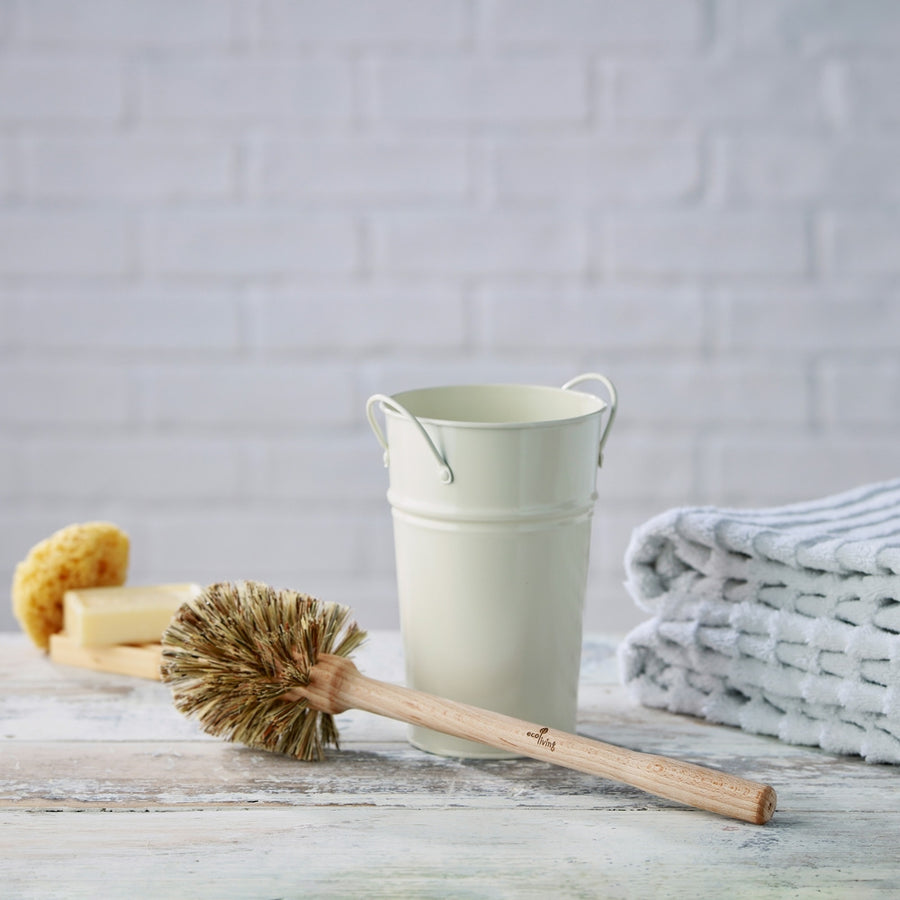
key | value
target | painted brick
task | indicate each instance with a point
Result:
(869, 98)
(812, 26)
(775, 469)
(807, 322)
(325, 468)
(233, 242)
(862, 393)
(476, 244)
(234, 542)
(358, 170)
(609, 320)
(611, 532)
(129, 168)
(132, 468)
(378, 542)
(797, 169)
(122, 320)
(53, 90)
(725, 244)
(653, 468)
(245, 90)
(285, 397)
(366, 22)
(165, 23)
(608, 608)
(604, 23)
(733, 91)
(225, 224)
(7, 168)
(405, 373)
(716, 392)
(7, 12)
(8, 325)
(587, 171)
(543, 91)
(866, 243)
(55, 243)
(391, 320)
(11, 486)
(56, 393)
(373, 599)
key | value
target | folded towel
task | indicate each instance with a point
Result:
(783, 621)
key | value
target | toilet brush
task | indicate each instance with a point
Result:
(268, 668)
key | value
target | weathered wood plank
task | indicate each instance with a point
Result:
(375, 852)
(102, 783)
(40, 701)
(161, 775)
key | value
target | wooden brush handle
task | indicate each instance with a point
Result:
(342, 687)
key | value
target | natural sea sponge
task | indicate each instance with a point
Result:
(92, 554)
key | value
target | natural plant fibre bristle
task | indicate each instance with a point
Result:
(233, 652)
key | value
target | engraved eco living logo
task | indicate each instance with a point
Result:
(543, 741)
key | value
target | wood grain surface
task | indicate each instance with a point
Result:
(106, 791)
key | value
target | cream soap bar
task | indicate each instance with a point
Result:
(96, 617)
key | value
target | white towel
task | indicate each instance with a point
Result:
(783, 621)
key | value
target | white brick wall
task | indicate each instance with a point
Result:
(224, 223)
(38, 88)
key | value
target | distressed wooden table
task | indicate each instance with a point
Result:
(108, 792)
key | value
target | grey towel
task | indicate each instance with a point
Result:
(783, 621)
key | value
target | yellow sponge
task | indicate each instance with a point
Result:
(92, 554)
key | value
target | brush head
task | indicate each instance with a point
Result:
(234, 654)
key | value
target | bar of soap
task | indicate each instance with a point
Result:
(98, 617)
(139, 660)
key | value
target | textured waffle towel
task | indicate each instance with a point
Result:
(783, 621)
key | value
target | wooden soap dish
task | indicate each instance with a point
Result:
(139, 660)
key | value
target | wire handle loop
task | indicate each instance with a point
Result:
(445, 473)
(612, 405)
